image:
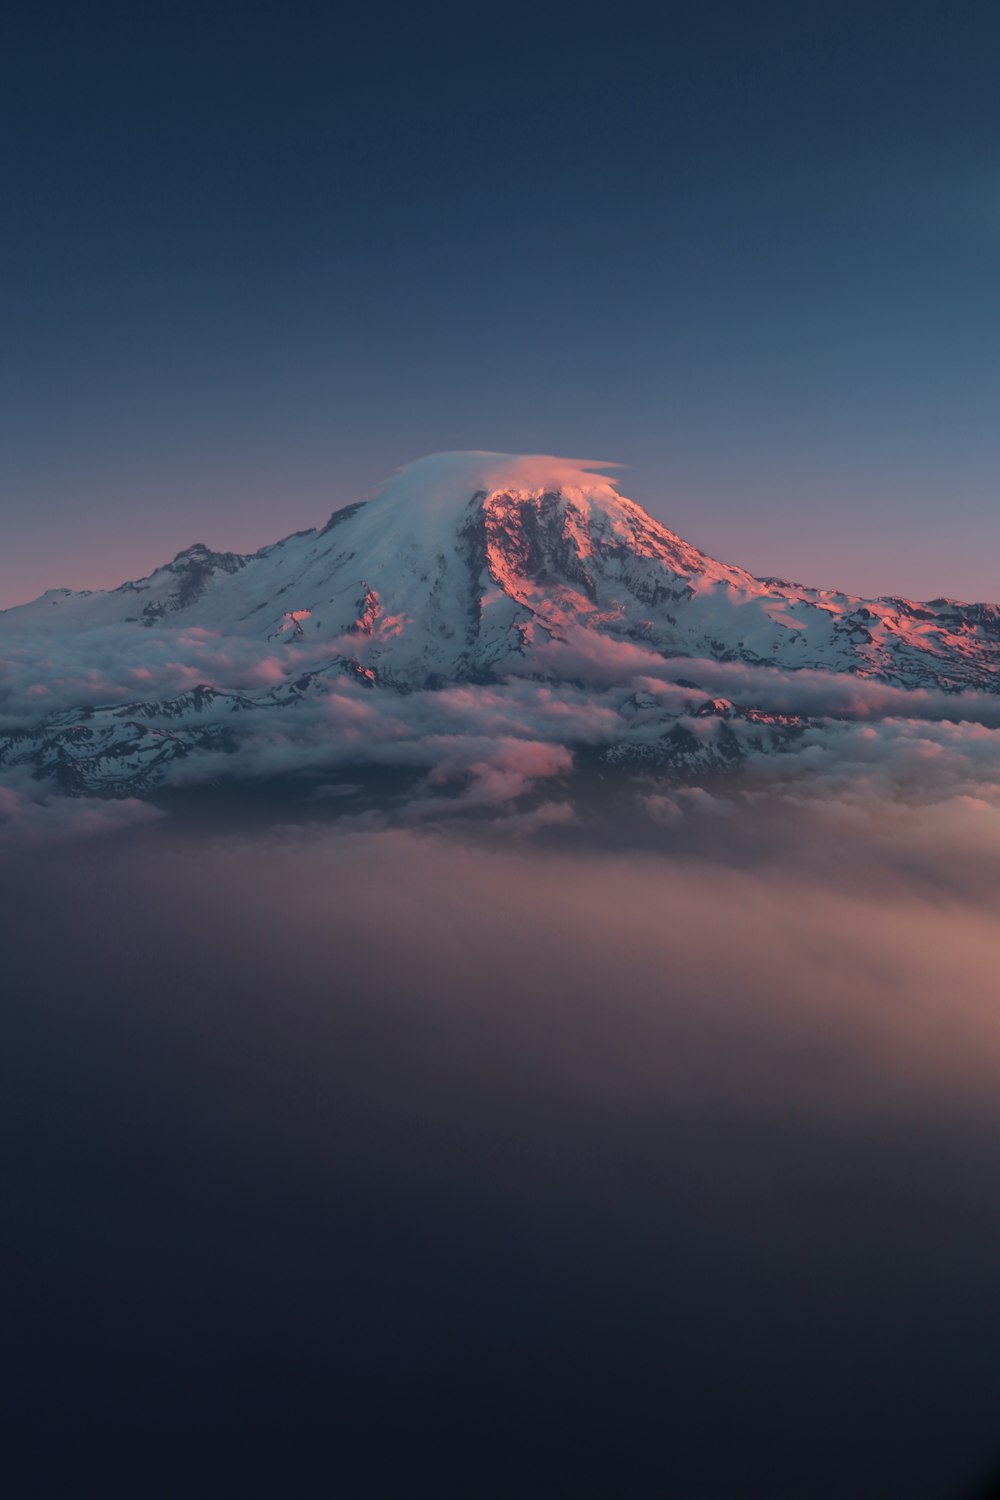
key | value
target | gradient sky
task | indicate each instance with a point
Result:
(256, 256)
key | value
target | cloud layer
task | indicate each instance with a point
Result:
(507, 747)
(657, 1142)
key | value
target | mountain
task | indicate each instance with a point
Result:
(466, 568)
(466, 561)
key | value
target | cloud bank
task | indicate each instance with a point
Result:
(464, 1131)
(589, 704)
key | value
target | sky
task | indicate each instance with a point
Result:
(254, 257)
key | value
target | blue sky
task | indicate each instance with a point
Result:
(257, 256)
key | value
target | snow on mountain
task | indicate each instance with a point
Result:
(470, 568)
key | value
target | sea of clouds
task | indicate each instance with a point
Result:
(670, 1156)
(506, 749)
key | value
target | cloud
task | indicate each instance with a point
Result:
(733, 1080)
(120, 664)
(832, 933)
(469, 747)
(32, 817)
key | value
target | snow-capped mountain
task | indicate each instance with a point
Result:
(466, 569)
(465, 562)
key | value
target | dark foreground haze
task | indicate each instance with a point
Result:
(366, 1162)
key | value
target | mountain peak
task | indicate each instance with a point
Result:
(445, 480)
